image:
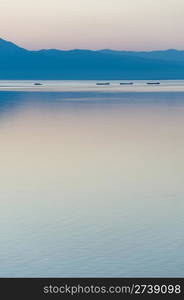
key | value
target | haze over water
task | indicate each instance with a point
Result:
(91, 184)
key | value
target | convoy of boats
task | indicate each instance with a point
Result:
(108, 83)
(128, 83)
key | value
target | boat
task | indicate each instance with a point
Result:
(103, 83)
(126, 83)
(153, 83)
(37, 83)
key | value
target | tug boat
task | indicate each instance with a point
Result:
(126, 83)
(37, 83)
(103, 83)
(153, 83)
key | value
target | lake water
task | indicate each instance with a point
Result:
(91, 183)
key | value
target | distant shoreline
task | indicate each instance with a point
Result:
(19, 63)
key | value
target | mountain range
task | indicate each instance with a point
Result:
(19, 63)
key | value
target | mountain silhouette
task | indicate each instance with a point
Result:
(19, 63)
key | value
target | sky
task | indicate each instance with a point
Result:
(93, 24)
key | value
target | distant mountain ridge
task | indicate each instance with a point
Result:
(19, 63)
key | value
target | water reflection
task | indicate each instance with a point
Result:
(91, 185)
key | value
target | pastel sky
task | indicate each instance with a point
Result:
(93, 24)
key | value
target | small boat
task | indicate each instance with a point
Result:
(153, 83)
(126, 83)
(37, 83)
(103, 83)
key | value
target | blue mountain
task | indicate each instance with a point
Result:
(19, 63)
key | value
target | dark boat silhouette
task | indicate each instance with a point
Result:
(126, 83)
(103, 83)
(153, 83)
(37, 83)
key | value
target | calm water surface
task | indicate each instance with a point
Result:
(91, 184)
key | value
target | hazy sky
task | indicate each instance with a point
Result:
(93, 24)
